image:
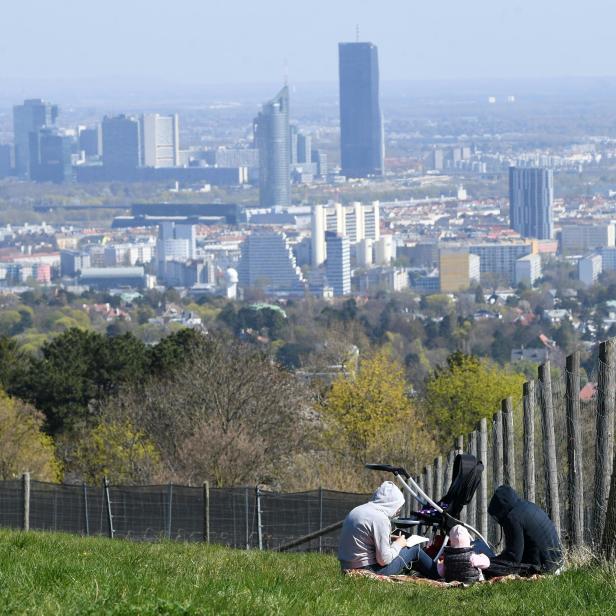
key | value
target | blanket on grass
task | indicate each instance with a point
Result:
(414, 579)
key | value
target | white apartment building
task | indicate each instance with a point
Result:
(589, 269)
(528, 269)
(355, 222)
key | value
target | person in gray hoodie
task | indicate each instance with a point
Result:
(366, 539)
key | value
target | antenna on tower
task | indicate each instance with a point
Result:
(357, 33)
(285, 70)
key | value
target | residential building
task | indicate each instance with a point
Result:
(271, 129)
(608, 259)
(304, 148)
(589, 269)
(582, 238)
(338, 264)
(528, 269)
(531, 196)
(176, 242)
(160, 140)
(384, 250)
(113, 277)
(361, 122)
(72, 262)
(355, 221)
(267, 262)
(459, 269)
(500, 257)
(29, 117)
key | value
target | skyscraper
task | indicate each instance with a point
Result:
(50, 156)
(338, 264)
(121, 144)
(28, 118)
(160, 140)
(361, 122)
(531, 195)
(273, 140)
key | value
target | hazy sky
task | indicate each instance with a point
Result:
(248, 41)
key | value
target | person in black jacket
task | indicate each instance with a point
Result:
(531, 541)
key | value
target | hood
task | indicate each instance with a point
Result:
(388, 498)
(459, 537)
(503, 501)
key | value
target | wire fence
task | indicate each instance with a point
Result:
(244, 518)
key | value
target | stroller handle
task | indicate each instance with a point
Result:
(396, 470)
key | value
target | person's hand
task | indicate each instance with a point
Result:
(401, 540)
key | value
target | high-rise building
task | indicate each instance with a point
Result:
(272, 136)
(304, 148)
(50, 156)
(267, 262)
(458, 268)
(531, 196)
(338, 264)
(28, 118)
(361, 122)
(176, 242)
(5, 160)
(160, 140)
(121, 143)
(90, 141)
(354, 221)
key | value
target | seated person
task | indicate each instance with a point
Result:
(531, 540)
(366, 541)
(460, 562)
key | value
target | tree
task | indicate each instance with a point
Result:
(118, 451)
(227, 414)
(459, 395)
(370, 414)
(23, 445)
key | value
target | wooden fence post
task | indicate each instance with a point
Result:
(206, 511)
(497, 464)
(483, 486)
(429, 481)
(508, 443)
(459, 445)
(549, 445)
(574, 452)
(528, 459)
(25, 519)
(449, 469)
(471, 514)
(604, 452)
(438, 478)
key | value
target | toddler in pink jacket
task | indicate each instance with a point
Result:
(460, 563)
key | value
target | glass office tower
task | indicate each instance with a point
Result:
(361, 122)
(273, 140)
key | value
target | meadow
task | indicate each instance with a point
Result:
(43, 573)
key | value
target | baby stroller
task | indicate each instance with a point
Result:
(440, 516)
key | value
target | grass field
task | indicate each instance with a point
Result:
(62, 574)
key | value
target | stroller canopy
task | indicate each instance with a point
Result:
(467, 472)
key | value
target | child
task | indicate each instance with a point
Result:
(460, 563)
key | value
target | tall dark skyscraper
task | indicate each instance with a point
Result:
(121, 144)
(361, 122)
(531, 196)
(272, 137)
(28, 118)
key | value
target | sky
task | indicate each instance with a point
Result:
(108, 43)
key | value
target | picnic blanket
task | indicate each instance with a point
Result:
(414, 579)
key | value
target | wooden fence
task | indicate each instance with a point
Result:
(555, 447)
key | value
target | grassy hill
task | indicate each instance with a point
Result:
(63, 574)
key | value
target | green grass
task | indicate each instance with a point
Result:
(62, 574)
